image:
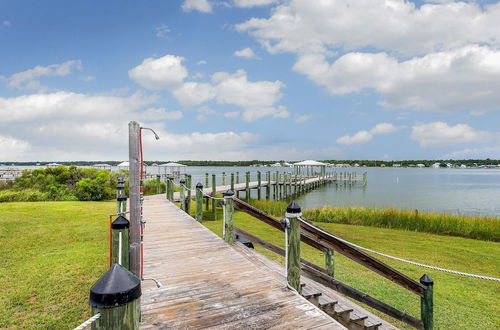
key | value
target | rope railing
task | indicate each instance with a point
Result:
(88, 322)
(482, 277)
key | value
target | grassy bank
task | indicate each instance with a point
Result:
(454, 225)
(50, 253)
(460, 302)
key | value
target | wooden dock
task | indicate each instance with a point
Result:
(208, 283)
(251, 185)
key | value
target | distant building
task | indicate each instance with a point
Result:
(420, 165)
(436, 165)
(396, 165)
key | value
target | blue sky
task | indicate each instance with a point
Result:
(250, 79)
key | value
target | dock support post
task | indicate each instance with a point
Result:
(116, 297)
(158, 185)
(199, 202)
(293, 212)
(329, 262)
(223, 178)
(120, 253)
(188, 198)
(214, 192)
(275, 186)
(206, 186)
(426, 303)
(268, 187)
(182, 195)
(247, 186)
(228, 217)
(135, 197)
(259, 182)
(237, 177)
(232, 182)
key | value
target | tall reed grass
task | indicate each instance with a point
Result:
(483, 228)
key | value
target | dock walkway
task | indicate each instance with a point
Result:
(242, 186)
(207, 283)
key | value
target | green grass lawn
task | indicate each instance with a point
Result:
(460, 302)
(50, 253)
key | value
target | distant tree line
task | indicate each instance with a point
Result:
(369, 163)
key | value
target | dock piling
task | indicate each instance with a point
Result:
(199, 202)
(115, 296)
(293, 212)
(228, 216)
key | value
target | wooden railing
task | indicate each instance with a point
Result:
(323, 240)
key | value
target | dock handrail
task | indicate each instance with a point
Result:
(323, 240)
(320, 239)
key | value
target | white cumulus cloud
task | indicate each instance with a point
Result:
(253, 3)
(159, 73)
(438, 134)
(246, 53)
(29, 78)
(203, 6)
(441, 56)
(365, 136)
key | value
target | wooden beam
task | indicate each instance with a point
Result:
(135, 197)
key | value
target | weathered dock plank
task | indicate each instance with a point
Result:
(208, 284)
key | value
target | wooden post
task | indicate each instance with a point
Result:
(116, 297)
(206, 186)
(214, 192)
(120, 253)
(167, 185)
(223, 178)
(158, 185)
(182, 195)
(199, 202)
(171, 180)
(188, 198)
(426, 303)
(268, 187)
(237, 177)
(232, 182)
(228, 217)
(135, 197)
(330, 262)
(275, 186)
(293, 212)
(259, 182)
(247, 186)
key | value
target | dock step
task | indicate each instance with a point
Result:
(311, 295)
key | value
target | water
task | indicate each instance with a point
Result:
(453, 191)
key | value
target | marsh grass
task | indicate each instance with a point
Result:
(482, 228)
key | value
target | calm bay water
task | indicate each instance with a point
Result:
(443, 190)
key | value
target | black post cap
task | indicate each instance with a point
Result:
(199, 185)
(182, 181)
(228, 193)
(170, 177)
(116, 287)
(120, 223)
(293, 208)
(426, 280)
(158, 176)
